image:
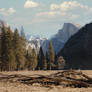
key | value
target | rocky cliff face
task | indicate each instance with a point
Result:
(58, 40)
(78, 49)
(61, 37)
(45, 46)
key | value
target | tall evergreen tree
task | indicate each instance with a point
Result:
(10, 51)
(22, 34)
(23, 38)
(3, 49)
(23, 43)
(19, 51)
(44, 63)
(51, 56)
(34, 59)
(47, 59)
(56, 63)
(40, 59)
(31, 59)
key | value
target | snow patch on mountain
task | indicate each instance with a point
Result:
(35, 42)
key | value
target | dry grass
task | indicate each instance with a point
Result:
(19, 87)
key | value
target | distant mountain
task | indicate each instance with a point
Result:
(45, 46)
(35, 42)
(61, 37)
(78, 49)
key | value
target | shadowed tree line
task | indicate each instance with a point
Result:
(15, 56)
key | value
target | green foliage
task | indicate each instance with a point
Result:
(47, 59)
(51, 56)
(40, 59)
(7, 50)
(19, 50)
(3, 49)
(10, 56)
(15, 56)
(44, 63)
(31, 59)
(12, 50)
(34, 59)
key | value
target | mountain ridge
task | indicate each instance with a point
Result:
(77, 50)
(59, 39)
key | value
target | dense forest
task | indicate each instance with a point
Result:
(15, 56)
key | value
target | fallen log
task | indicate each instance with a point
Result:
(64, 78)
(56, 82)
(68, 78)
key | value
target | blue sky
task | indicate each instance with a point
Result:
(45, 17)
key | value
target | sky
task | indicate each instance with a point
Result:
(45, 17)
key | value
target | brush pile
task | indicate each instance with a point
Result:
(68, 78)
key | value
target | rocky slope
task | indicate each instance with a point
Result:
(78, 50)
(61, 37)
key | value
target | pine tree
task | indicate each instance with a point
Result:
(23, 38)
(47, 59)
(3, 49)
(51, 56)
(22, 34)
(23, 43)
(40, 59)
(10, 51)
(19, 51)
(34, 59)
(44, 63)
(31, 59)
(26, 62)
(56, 63)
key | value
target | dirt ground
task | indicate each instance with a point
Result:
(19, 87)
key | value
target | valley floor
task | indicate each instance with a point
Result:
(19, 87)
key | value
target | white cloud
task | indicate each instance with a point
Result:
(66, 10)
(51, 14)
(2, 9)
(54, 6)
(8, 12)
(70, 5)
(11, 11)
(30, 4)
(54, 16)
